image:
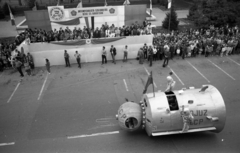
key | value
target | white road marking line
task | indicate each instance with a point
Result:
(176, 75)
(43, 87)
(199, 72)
(125, 84)
(92, 135)
(222, 70)
(149, 74)
(13, 92)
(7, 144)
(233, 61)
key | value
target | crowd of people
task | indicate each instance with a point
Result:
(213, 41)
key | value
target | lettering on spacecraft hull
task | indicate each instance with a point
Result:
(199, 112)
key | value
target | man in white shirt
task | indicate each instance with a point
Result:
(78, 58)
(104, 55)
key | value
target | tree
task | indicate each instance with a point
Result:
(20, 2)
(30, 3)
(6, 9)
(214, 12)
(2, 15)
(173, 20)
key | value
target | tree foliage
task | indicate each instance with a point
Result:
(173, 21)
(6, 9)
(214, 12)
(30, 3)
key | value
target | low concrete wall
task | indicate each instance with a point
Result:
(89, 52)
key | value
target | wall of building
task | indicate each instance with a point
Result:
(89, 52)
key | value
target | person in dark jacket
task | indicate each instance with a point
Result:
(19, 66)
(48, 66)
(166, 58)
(66, 57)
(113, 52)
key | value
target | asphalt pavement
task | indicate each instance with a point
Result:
(73, 110)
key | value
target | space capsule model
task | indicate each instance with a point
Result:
(184, 111)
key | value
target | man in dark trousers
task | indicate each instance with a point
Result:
(113, 52)
(150, 55)
(166, 58)
(104, 55)
(78, 58)
(19, 67)
(66, 57)
(145, 48)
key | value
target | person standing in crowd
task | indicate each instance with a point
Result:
(140, 56)
(145, 48)
(78, 58)
(30, 61)
(125, 54)
(104, 55)
(150, 55)
(27, 68)
(113, 52)
(184, 51)
(48, 66)
(66, 57)
(166, 55)
(19, 66)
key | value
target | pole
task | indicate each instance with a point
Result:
(170, 14)
(152, 85)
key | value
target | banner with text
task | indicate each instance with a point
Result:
(93, 11)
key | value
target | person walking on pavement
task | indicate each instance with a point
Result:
(48, 66)
(104, 55)
(78, 58)
(19, 67)
(113, 52)
(66, 57)
(125, 54)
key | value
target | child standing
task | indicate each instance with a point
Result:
(48, 65)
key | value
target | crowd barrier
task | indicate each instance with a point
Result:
(90, 49)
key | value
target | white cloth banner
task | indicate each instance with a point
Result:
(169, 4)
(93, 11)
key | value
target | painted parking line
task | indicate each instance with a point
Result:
(7, 144)
(234, 61)
(93, 135)
(176, 75)
(155, 85)
(13, 92)
(199, 72)
(43, 87)
(125, 84)
(222, 70)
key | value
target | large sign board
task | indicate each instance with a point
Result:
(56, 13)
(93, 11)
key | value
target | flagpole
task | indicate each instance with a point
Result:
(153, 85)
(170, 19)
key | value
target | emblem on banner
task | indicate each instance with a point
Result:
(74, 13)
(112, 10)
(56, 13)
(88, 41)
